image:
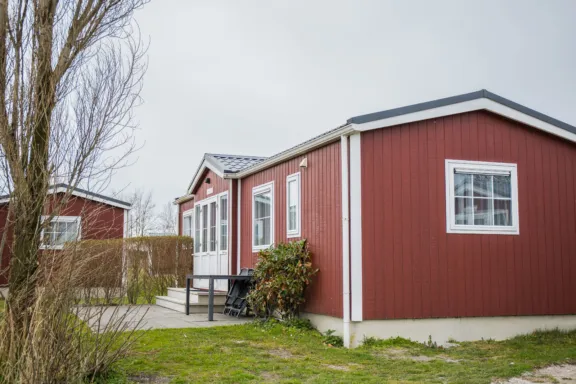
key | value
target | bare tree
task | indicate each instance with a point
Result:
(70, 75)
(142, 218)
(167, 220)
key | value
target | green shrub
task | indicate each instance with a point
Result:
(330, 339)
(282, 274)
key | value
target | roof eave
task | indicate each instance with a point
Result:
(296, 151)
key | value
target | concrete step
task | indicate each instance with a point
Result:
(197, 296)
(180, 305)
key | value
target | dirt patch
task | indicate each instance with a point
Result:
(337, 367)
(148, 379)
(283, 353)
(269, 377)
(563, 374)
(404, 354)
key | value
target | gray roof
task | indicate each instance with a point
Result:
(233, 163)
(82, 191)
(460, 99)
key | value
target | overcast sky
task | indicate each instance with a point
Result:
(256, 77)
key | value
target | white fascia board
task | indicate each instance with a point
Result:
(468, 106)
(89, 197)
(206, 164)
(296, 151)
(82, 195)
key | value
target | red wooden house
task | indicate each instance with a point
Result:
(84, 215)
(450, 218)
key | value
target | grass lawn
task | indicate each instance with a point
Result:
(273, 353)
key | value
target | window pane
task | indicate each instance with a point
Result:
(224, 223)
(262, 205)
(262, 232)
(462, 184)
(503, 212)
(213, 226)
(463, 211)
(482, 185)
(262, 212)
(197, 230)
(482, 210)
(292, 193)
(187, 226)
(205, 228)
(502, 186)
(292, 218)
(71, 231)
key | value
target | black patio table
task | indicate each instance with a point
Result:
(211, 279)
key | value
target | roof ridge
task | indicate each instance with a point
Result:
(239, 156)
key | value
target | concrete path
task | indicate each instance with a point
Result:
(153, 317)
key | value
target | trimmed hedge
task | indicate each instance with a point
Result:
(140, 267)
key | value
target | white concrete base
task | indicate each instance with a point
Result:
(180, 305)
(196, 296)
(442, 330)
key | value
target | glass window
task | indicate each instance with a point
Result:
(60, 230)
(293, 205)
(482, 197)
(212, 226)
(224, 223)
(263, 220)
(187, 224)
(197, 243)
(204, 228)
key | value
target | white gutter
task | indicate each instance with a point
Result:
(345, 242)
(295, 151)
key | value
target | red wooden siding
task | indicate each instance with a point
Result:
(217, 184)
(414, 269)
(321, 221)
(98, 222)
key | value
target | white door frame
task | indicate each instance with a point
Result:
(203, 259)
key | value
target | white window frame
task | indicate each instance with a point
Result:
(185, 214)
(61, 219)
(481, 167)
(268, 187)
(290, 178)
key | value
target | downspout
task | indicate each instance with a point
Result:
(345, 241)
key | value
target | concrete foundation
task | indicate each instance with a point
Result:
(442, 330)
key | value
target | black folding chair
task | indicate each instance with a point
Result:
(236, 301)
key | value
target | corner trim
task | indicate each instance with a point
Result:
(356, 226)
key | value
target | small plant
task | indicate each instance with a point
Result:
(430, 343)
(282, 274)
(329, 338)
(371, 341)
(303, 324)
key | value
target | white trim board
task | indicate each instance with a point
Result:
(206, 164)
(356, 226)
(82, 195)
(468, 106)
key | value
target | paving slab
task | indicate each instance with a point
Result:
(152, 317)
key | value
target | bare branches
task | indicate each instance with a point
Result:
(70, 76)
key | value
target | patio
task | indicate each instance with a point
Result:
(155, 317)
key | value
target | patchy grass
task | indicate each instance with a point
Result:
(273, 353)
